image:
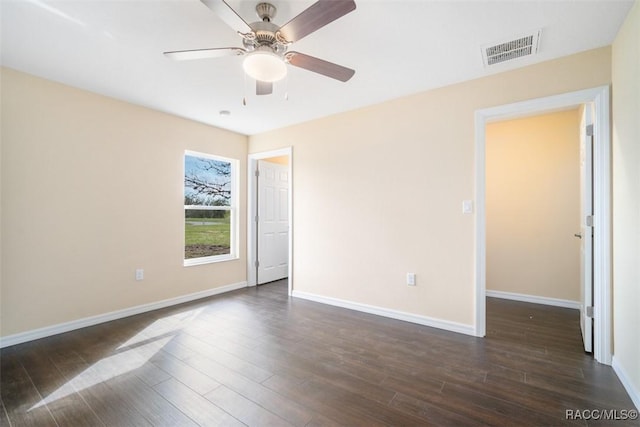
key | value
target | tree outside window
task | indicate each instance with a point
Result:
(209, 208)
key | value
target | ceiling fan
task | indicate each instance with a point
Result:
(266, 44)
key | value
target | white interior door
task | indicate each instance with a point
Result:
(273, 221)
(586, 227)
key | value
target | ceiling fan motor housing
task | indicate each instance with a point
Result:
(266, 11)
(264, 35)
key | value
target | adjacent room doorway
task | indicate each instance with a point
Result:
(601, 218)
(538, 207)
(269, 240)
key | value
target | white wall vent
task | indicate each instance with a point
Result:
(523, 45)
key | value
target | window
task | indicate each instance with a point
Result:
(210, 211)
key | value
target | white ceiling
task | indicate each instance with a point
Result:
(397, 47)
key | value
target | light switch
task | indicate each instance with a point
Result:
(411, 279)
(467, 206)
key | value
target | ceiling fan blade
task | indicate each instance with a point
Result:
(315, 17)
(320, 66)
(264, 88)
(228, 15)
(216, 52)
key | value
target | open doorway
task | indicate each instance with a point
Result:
(537, 243)
(599, 97)
(269, 245)
(533, 208)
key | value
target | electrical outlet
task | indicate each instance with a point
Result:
(411, 279)
(139, 274)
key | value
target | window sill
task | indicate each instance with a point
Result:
(209, 260)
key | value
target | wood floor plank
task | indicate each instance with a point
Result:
(432, 414)
(177, 350)
(274, 362)
(155, 408)
(498, 371)
(355, 404)
(244, 409)
(107, 403)
(249, 370)
(317, 400)
(604, 394)
(194, 405)
(192, 378)
(288, 409)
(413, 386)
(151, 374)
(66, 405)
(4, 418)
(511, 412)
(328, 353)
(537, 398)
(19, 395)
(329, 369)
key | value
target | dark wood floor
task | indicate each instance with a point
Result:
(258, 357)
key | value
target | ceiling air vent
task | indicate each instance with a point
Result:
(524, 45)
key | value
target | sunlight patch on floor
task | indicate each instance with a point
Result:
(130, 356)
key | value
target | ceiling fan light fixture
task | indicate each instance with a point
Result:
(265, 66)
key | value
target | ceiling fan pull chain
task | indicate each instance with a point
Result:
(244, 90)
(286, 87)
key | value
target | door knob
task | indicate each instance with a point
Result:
(578, 235)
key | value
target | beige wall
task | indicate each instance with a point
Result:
(626, 198)
(107, 179)
(92, 188)
(533, 205)
(378, 191)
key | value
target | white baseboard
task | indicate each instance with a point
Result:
(118, 314)
(534, 299)
(385, 312)
(633, 392)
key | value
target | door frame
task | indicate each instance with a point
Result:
(252, 211)
(602, 345)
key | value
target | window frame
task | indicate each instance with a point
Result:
(232, 209)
